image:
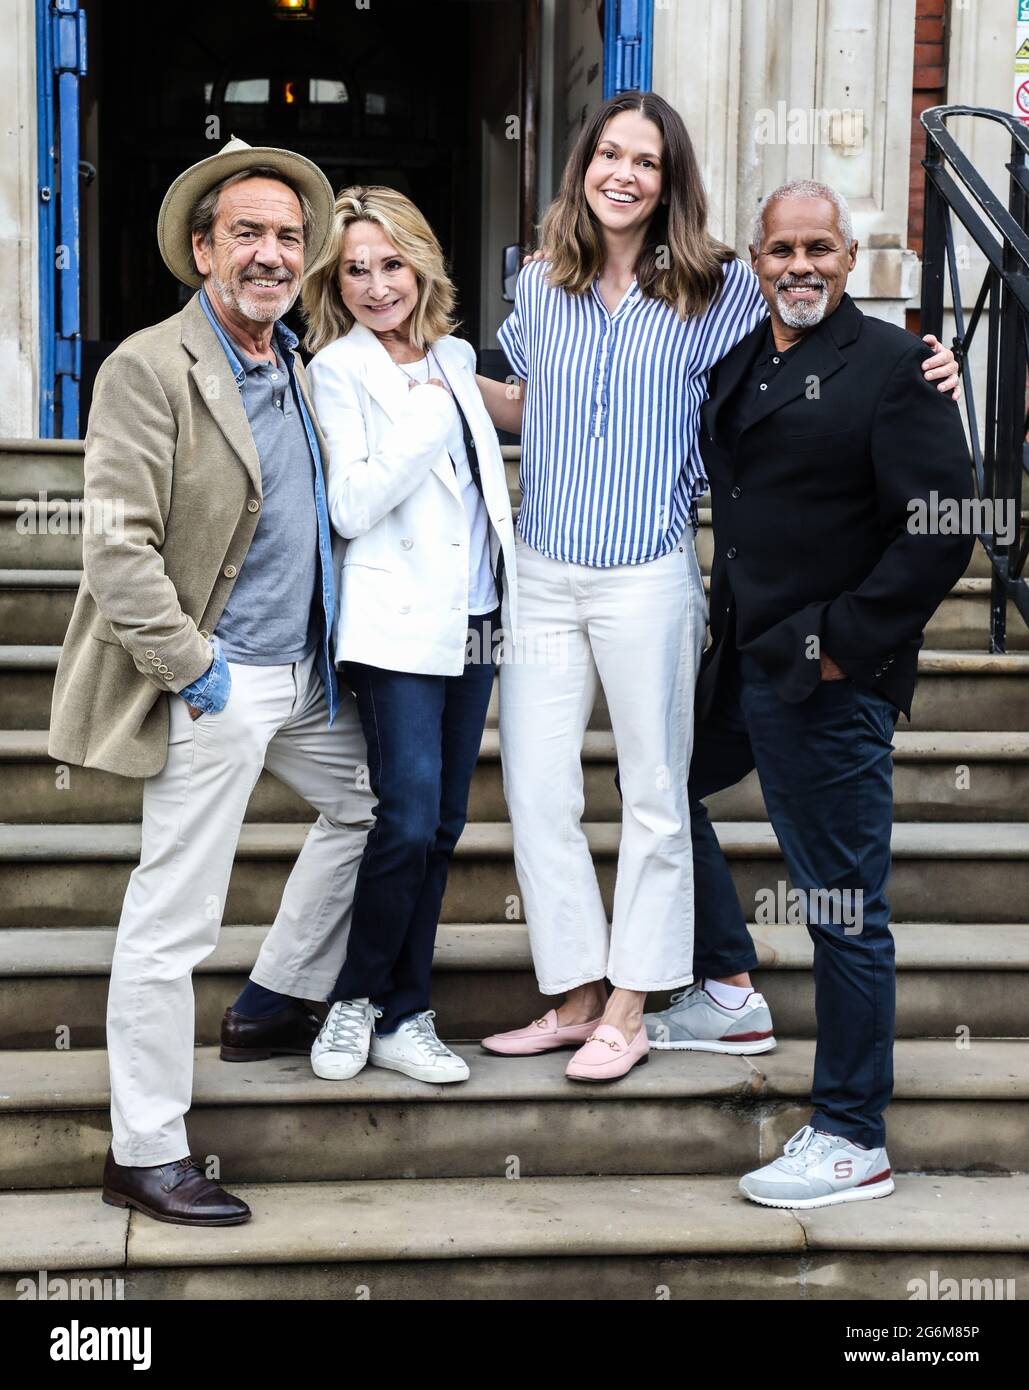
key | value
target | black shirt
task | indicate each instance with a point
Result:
(753, 384)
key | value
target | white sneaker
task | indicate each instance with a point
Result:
(820, 1170)
(415, 1050)
(340, 1050)
(696, 1022)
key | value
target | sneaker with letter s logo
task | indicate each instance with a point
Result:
(820, 1170)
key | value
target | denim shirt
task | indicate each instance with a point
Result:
(210, 691)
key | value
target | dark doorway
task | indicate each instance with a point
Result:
(377, 95)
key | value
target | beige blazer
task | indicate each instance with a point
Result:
(170, 458)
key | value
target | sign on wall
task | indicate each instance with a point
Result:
(1020, 106)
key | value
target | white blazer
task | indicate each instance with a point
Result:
(401, 551)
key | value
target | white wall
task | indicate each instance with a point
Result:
(19, 311)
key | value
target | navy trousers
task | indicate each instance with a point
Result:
(423, 735)
(826, 772)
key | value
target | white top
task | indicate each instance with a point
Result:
(482, 591)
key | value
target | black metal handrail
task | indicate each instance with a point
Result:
(955, 188)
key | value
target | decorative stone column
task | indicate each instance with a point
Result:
(698, 68)
(773, 90)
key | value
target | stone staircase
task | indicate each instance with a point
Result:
(517, 1184)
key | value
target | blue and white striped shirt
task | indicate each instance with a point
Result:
(610, 461)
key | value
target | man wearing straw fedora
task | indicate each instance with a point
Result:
(199, 653)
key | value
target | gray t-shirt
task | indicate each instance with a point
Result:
(271, 618)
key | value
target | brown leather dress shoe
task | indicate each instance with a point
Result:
(178, 1192)
(289, 1032)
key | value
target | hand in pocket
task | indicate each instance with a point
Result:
(830, 671)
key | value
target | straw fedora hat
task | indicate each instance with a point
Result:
(191, 185)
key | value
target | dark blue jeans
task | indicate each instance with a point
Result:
(826, 772)
(423, 735)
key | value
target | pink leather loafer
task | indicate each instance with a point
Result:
(542, 1035)
(605, 1056)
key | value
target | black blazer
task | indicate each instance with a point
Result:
(810, 509)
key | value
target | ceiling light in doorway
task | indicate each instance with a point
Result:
(294, 9)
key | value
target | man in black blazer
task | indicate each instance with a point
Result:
(820, 437)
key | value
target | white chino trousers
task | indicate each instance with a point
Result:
(276, 717)
(639, 631)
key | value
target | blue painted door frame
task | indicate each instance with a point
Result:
(628, 45)
(60, 62)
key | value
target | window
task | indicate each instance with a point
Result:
(248, 91)
(326, 91)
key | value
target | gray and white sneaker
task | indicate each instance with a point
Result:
(415, 1050)
(695, 1022)
(820, 1170)
(340, 1050)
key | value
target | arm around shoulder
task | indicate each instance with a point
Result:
(504, 402)
(920, 452)
(919, 460)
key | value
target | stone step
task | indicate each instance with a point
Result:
(962, 621)
(47, 534)
(955, 980)
(941, 776)
(535, 1238)
(29, 466)
(55, 467)
(76, 874)
(42, 536)
(975, 691)
(958, 690)
(36, 606)
(275, 1121)
(37, 540)
(47, 537)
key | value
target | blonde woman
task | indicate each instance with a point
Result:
(418, 496)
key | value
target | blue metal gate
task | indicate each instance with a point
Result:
(628, 45)
(60, 62)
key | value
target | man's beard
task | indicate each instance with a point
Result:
(805, 314)
(236, 295)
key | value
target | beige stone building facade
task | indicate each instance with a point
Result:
(770, 90)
